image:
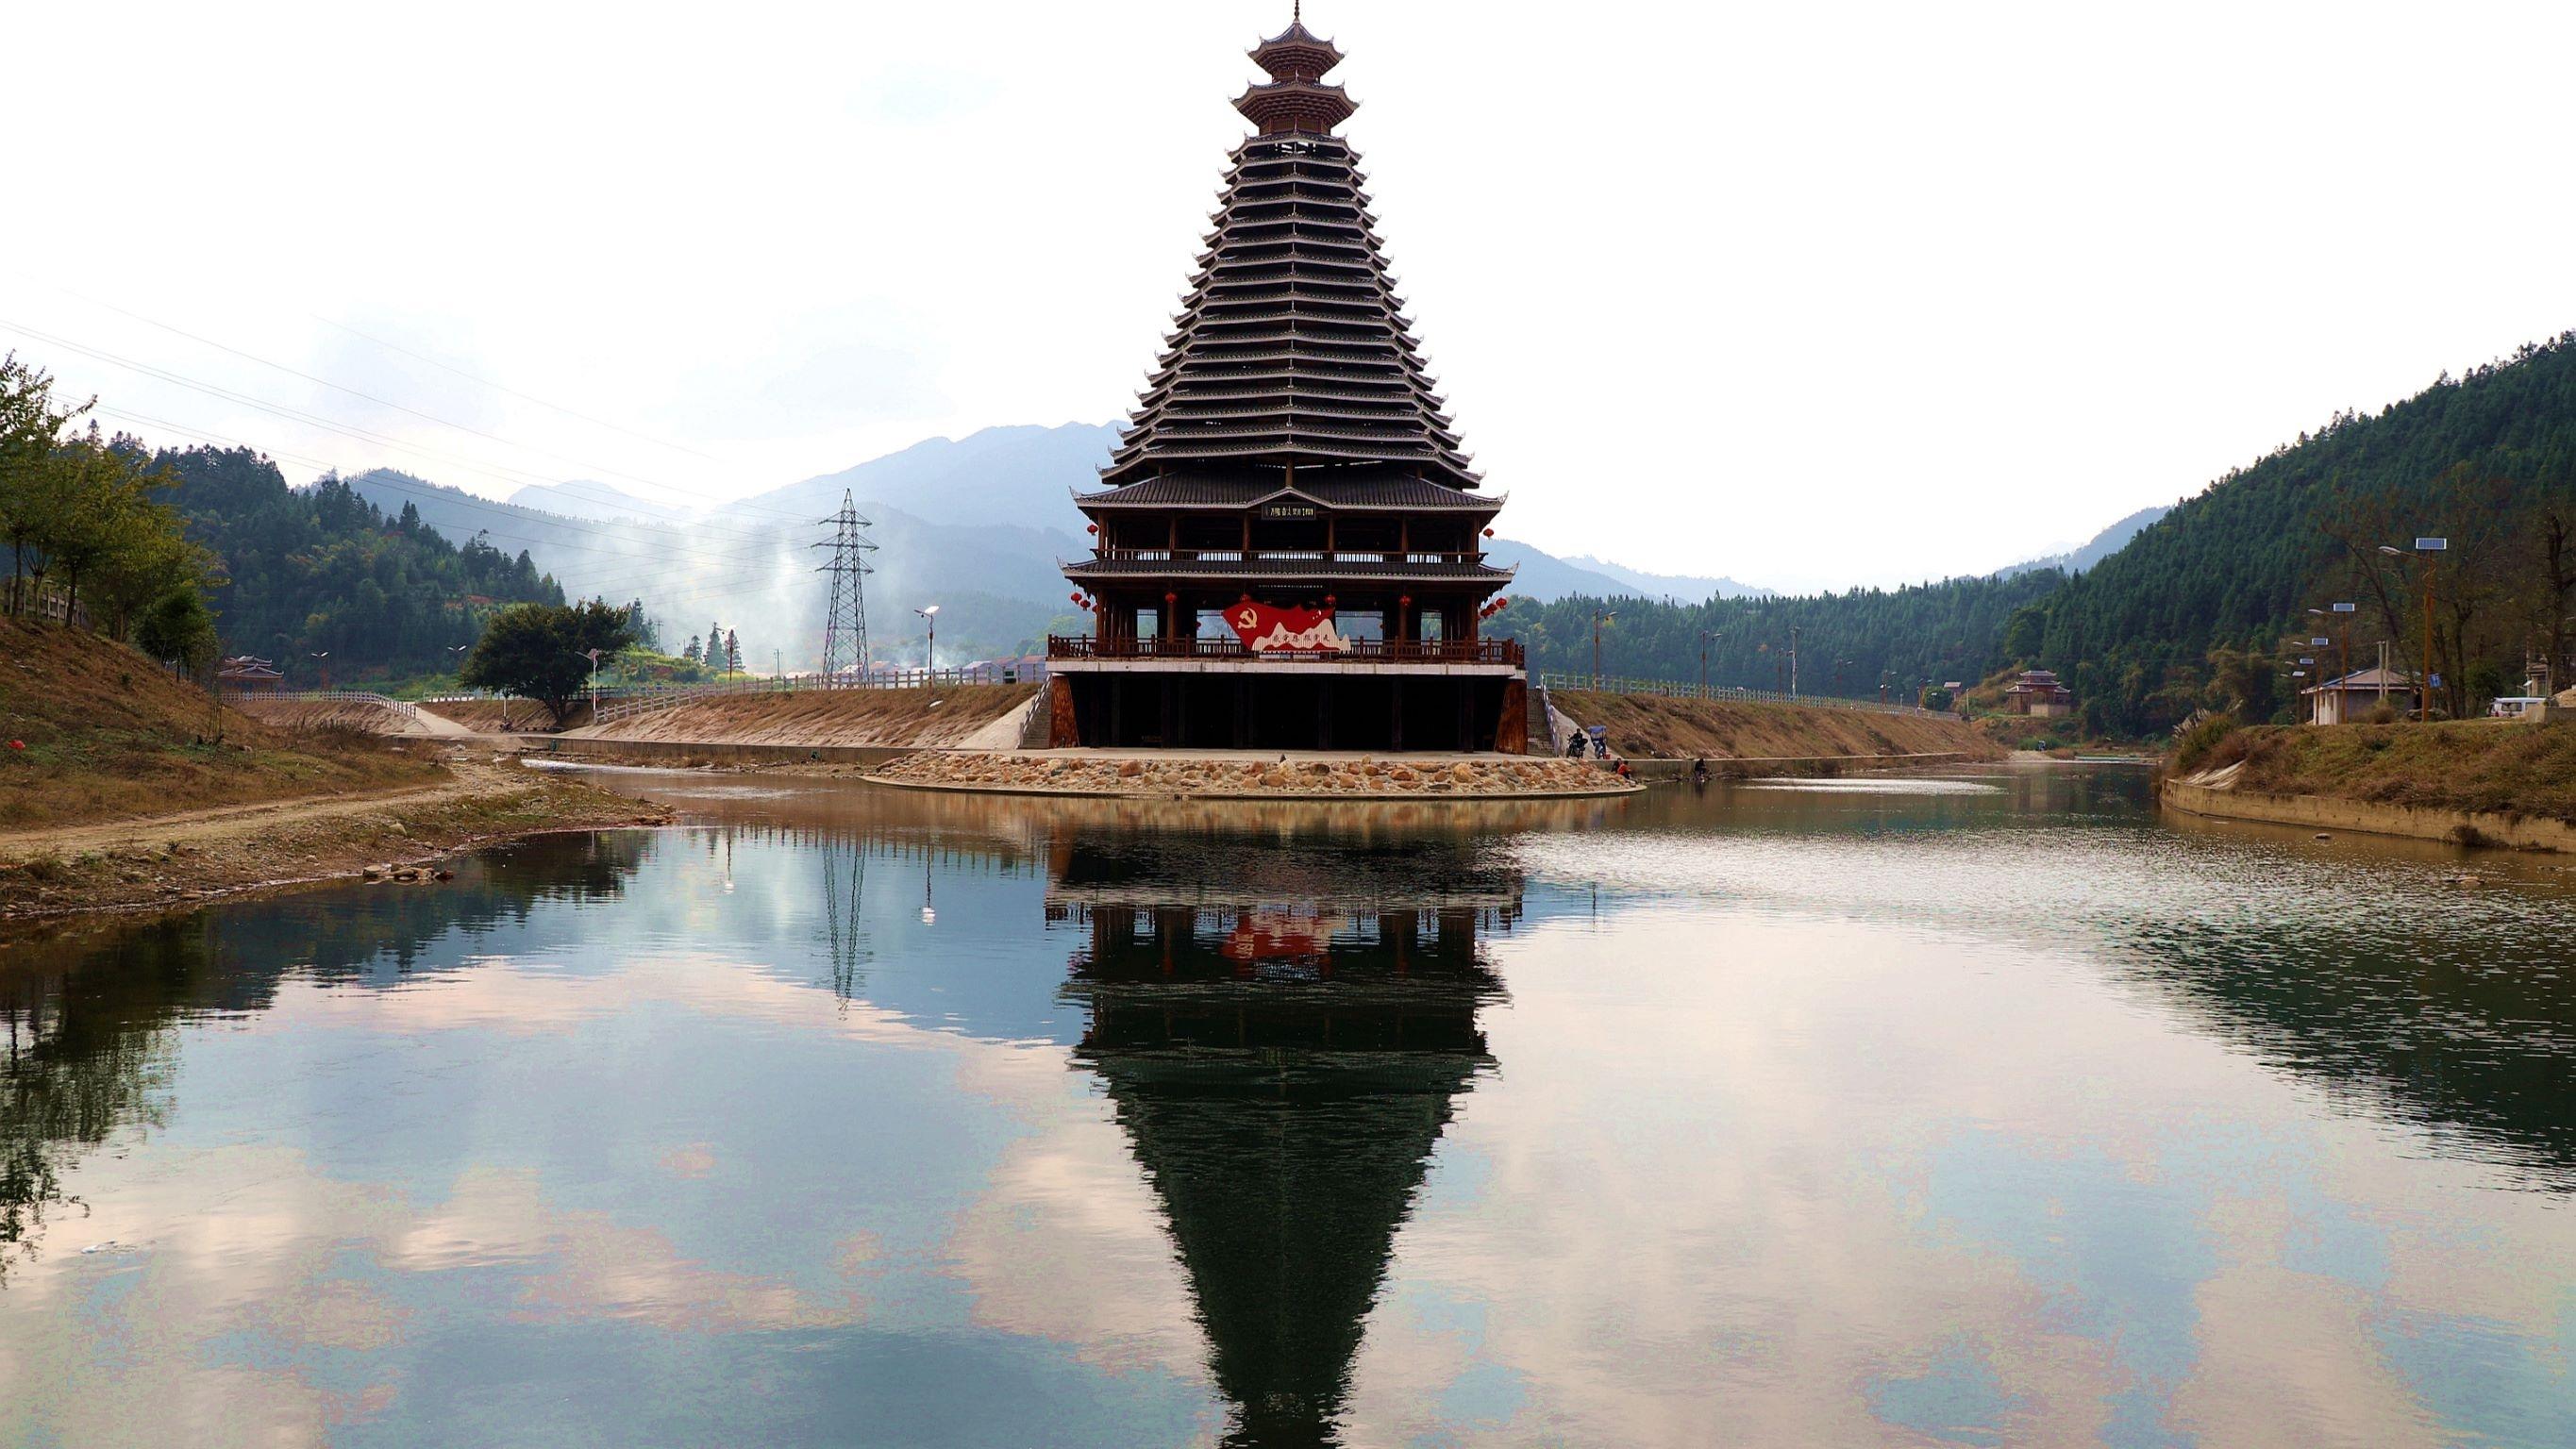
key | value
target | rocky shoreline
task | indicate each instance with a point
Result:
(1237, 778)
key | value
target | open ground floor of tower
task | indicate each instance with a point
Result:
(1293, 708)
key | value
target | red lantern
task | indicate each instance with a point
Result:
(1091, 528)
(1489, 533)
(1171, 598)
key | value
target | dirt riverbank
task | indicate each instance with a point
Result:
(1651, 726)
(191, 855)
(914, 717)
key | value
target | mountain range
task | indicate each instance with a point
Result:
(976, 524)
(2102, 545)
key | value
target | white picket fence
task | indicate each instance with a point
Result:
(403, 708)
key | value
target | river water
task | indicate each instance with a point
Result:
(1978, 1109)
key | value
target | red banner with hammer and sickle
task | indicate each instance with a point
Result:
(1268, 628)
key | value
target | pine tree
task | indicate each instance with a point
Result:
(733, 653)
(694, 653)
(715, 645)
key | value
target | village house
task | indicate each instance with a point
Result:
(2038, 694)
(246, 674)
(2340, 701)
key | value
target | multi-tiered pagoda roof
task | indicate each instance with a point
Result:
(1292, 350)
(1291, 549)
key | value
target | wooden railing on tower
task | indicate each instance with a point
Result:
(1362, 651)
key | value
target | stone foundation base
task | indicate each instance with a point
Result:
(1233, 778)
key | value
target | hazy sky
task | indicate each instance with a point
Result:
(1809, 295)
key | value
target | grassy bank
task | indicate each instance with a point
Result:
(1649, 727)
(2503, 766)
(101, 733)
(829, 716)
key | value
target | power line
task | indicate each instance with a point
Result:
(719, 588)
(495, 471)
(363, 395)
(425, 490)
(779, 539)
(499, 472)
(204, 341)
(504, 388)
(748, 579)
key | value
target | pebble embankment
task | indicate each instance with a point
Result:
(1361, 777)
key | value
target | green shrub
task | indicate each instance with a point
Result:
(2192, 752)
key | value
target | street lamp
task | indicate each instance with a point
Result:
(593, 656)
(2422, 554)
(1705, 637)
(1599, 618)
(325, 657)
(931, 653)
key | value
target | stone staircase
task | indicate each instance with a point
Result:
(1543, 736)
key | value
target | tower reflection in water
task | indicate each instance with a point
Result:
(1282, 1054)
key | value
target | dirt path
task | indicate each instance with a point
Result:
(208, 827)
(437, 726)
(193, 854)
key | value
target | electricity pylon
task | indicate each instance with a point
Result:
(844, 890)
(845, 620)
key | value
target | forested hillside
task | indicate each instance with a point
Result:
(2207, 607)
(2199, 610)
(305, 571)
(1940, 632)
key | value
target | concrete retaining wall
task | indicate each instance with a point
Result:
(2323, 813)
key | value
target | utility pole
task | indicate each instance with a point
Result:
(2424, 699)
(845, 618)
(1793, 661)
(1599, 618)
(2422, 554)
(2341, 616)
(1705, 635)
